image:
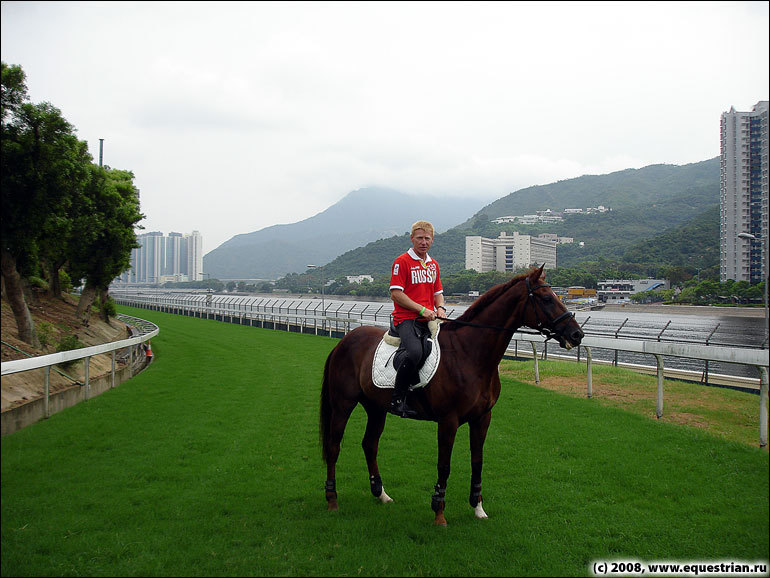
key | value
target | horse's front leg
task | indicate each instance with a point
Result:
(478, 434)
(447, 429)
(375, 424)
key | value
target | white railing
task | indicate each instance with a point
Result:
(337, 320)
(754, 357)
(146, 332)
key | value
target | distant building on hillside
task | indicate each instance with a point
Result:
(359, 278)
(508, 252)
(743, 195)
(176, 257)
(555, 237)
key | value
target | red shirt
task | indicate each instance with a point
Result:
(419, 280)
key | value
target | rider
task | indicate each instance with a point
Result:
(415, 287)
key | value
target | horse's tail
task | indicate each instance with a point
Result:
(324, 425)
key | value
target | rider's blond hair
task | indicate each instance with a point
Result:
(425, 225)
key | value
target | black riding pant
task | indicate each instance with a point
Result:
(412, 333)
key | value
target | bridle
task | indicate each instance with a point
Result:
(539, 328)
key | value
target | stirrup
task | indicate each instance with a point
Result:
(400, 408)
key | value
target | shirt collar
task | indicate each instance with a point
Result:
(416, 257)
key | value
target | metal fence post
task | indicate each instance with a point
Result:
(87, 361)
(590, 375)
(763, 385)
(534, 356)
(659, 403)
(47, 391)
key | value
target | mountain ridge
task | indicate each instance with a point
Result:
(644, 203)
(643, 210)
(360, 217)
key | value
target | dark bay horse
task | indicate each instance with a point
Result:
(464, 389)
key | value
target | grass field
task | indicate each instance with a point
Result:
(208, 464)
(727, 413)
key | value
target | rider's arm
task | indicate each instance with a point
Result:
(439, 300)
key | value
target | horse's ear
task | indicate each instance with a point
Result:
(541, 272)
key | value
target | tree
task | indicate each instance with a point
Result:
(103, 234)
(43, 165)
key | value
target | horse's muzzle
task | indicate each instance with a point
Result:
(570, 336)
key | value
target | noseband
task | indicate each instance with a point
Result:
(539, 327)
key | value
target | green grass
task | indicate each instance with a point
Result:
(208, 464)
(727, 413)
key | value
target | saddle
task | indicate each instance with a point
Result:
(389, 352)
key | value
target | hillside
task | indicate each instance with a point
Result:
(648, 186)
(362, 216)
(54, 319)
(663, 213)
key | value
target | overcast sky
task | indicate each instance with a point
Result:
(237, 116)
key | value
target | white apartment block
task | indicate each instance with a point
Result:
(508, 252)
(159, 258)
(194, 256)
(744, 194)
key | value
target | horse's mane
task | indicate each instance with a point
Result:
(491, 295)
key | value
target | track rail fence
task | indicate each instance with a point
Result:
(335, 319)
(141, 330)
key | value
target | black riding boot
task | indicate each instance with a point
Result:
(404, 378)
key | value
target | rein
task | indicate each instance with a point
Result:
(539, 330)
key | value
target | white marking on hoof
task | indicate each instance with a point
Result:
(385, 498)
(479, 512)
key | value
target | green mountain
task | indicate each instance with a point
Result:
(622, 189)
(694, 244)
(660, 213)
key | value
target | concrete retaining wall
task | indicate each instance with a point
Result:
(15, 418)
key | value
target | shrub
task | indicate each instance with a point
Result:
(65, 281)
(68, 343)
(45, 333)
(38, 282)
(108, 307)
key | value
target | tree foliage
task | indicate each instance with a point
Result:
(60, 211)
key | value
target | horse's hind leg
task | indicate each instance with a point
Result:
(375, 424)
(338, 421)
(478, 434)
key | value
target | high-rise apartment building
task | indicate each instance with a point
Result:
(173, 262)
(508, 252)
(744, 194)
(194, 256)
(159, 258)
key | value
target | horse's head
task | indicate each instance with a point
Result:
(545, 312)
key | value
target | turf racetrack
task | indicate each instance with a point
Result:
(208, 464)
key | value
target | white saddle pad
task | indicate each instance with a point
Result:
(384, 374)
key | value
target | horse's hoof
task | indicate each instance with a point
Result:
(332, 507)
(440, 520)
(479, 512)
(384, 498)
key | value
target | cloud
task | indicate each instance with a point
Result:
(238, 115)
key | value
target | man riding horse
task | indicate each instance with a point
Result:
(415, 287)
